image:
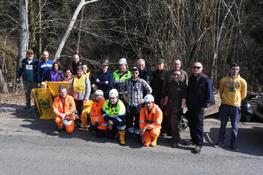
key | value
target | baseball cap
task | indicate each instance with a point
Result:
(30, 51)
(160, 60)
(105, 62)
(135, 69)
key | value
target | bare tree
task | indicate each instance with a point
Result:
(24, 33)
(70, 26)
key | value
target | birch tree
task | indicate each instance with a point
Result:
(70, 26)
(24, 33)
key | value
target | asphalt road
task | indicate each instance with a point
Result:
(29, 145)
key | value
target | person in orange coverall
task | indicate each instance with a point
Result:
(97, 123)
(64, 108)
(86, 110)
(151, 117)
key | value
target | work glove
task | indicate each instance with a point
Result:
(38, 85)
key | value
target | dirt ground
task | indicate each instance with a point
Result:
(17, 99)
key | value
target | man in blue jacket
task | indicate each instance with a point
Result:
(200, 93)
(28, 70)
(104, 79)
(44, 67)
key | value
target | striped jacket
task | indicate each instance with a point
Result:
(43, 70)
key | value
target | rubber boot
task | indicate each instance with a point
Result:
(154, 141)
(84, 121)
(121, 137)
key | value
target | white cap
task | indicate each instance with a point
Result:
(123, 61)
(113, 93)
(148, 98)
(67, 122)
(98, 92)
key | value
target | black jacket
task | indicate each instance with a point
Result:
(203, 90)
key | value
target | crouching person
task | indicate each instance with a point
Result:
(151, 117)
(64, 108)
(86, 110)
(114, 113)
(97, 123)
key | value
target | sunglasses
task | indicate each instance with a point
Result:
(30, 53)
(196, 67)
(176, 75)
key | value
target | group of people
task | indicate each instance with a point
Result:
(133, 103)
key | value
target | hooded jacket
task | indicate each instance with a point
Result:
(232, 90)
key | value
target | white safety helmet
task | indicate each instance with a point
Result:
(98, 92)
(67, 122)
(113, 93)
(148, 98)
(123, 61)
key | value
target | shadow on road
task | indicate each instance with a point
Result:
(249, 141)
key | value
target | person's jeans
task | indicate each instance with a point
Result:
(226, 111)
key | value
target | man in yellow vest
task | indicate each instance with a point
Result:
(119, 76)
(114, 112)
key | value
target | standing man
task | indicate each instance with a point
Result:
(151, 117)
(119, 76)
(158, 79)
(144, 73)
(232, 90)
(104, 78)
(64, 108)
(135, 87)
(44, 67)
(75, 64)
(28, 69)
(168, 77)
(200, 93)
(114, 112)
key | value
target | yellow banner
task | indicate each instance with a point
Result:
(54, 87)
(44, 103)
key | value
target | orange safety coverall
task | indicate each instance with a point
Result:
(96, 116)
(152, 122)
(65, 106)
(86, 110)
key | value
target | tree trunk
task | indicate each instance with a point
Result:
(3, 85)
(32, 27)
(79, 34)
(23, 42)
(40, 27)
(70, 26)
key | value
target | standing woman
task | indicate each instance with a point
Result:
(92, 78)
(81, 89)
(104, 79)
(175, 99)
(55, 74)
(68, 75)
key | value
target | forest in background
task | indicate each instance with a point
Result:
(214, 32)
